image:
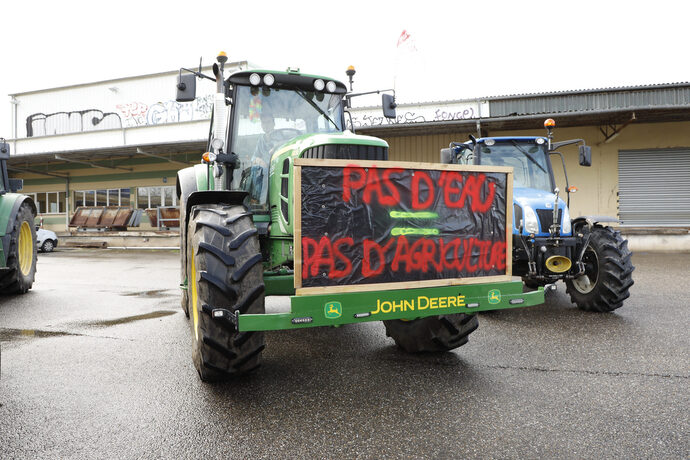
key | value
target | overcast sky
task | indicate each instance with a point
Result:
(456, 49)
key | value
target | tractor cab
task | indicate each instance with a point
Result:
(533, 183)
(271, 109)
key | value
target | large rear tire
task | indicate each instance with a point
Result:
(434, 333)
(608, 273)
(22, 254)
(225, 271)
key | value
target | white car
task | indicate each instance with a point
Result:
(46, 240)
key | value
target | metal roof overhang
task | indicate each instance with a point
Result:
(160, 150)
(655, 114)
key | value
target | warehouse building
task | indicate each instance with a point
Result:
(121, 142)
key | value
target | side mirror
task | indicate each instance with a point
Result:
(4, 151)
(446, 156)
(186, 88)
(16, 185)
(585, 155)
(389, 105)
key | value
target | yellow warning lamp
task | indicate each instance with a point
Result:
(350, 72)
(549, 123)
(572, 189)
(222, 57)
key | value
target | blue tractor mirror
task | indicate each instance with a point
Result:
(585, 155)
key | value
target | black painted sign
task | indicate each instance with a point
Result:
(378, 224)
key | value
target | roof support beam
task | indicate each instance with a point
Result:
(614, 130)
(33, 171)
(93, 165)
(160, 157)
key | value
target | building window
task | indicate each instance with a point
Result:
(103, 197)
(49, 202)
(153, 197)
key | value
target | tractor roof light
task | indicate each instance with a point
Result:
(217, 144)
(319, 84)
(269, 79)
(549, 123)
(330, 87)
(222, 57)
(255, 79)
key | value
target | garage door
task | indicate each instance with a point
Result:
(654, 188)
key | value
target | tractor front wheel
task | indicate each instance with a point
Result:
(22, 254)
(225, 271)
(433, 333)
(608, 273)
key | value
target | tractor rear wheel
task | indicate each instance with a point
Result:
(434, 333)
(225, 271)
(608, 273)
(22, 254)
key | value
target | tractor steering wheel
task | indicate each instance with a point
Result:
(283, 134)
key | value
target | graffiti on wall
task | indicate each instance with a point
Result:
(461, 111)
(140, 114)
(130, 115)
(41, 124)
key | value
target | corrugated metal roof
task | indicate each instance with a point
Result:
(604, 99)
(564, 93)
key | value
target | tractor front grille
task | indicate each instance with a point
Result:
(347, 152)
(546, 218)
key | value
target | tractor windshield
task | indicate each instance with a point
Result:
(528, 159)
(265, 119)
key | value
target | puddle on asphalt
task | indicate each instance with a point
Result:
(152, 293)
(131, 319)
(9, 335)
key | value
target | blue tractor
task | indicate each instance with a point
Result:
(548, 244)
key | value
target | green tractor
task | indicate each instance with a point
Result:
(17, 232)
(245, 229)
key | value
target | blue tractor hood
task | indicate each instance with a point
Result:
(541, 202)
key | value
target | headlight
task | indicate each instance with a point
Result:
(565, 225)
(255, 79)
(269, 79)
(319, 85)
(217, 144)
(330, 86)
(530, 219)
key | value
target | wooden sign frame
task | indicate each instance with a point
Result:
(297, 207)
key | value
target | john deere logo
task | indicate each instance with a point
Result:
(494, 296)
(333, 310)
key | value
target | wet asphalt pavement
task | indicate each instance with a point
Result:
(96, 363)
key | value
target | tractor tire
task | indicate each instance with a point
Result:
(608, 273)
(225, 271)
(22, 254)
(434, 333)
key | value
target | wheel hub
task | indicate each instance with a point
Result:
(25, 247)
(586, 282)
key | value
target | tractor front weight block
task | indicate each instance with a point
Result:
(360, 307)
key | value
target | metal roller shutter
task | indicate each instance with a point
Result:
(654, 188)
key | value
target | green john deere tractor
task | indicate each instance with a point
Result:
(241, 221)
(17, 232)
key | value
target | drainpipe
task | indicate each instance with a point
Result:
(13, 116)
(67, 204)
